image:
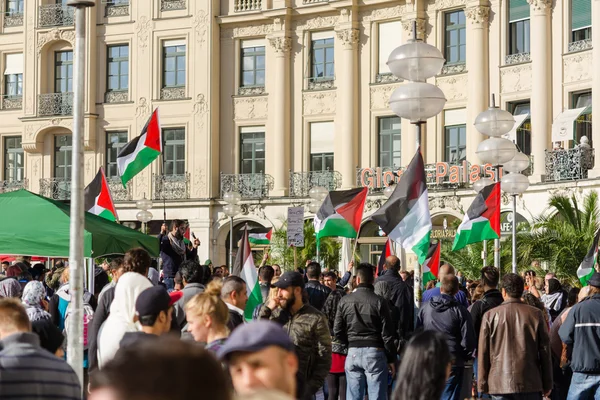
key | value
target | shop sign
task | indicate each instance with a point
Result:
(506, 222)
(443, 234)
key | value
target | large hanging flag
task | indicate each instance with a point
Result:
(405, 216)
(341, 213)
(141, 151)
(387, 251)
(245, 269)
(260, 236)
(588, 265)
(431, 266)
(98, 200)
(482, 221)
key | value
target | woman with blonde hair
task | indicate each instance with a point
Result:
(207, 316)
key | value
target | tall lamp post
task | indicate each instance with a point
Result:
(515, 184)
(231, 209)
(144, 216)
(496, 150)
(478, 187)
(318, 194)
(76, 262)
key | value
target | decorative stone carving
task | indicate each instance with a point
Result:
(36, 167)
(172, 93)
(478, 15)
(383, 13)
(444, 4)
(13, 19)
(577, 67)
(201, 26)
(321, 83)
(255, 209)
(141, 185)
(515, 78)
(250, 108)
(316, 103)
(348, 37)
(374, 204)
(199, 184)
(12, 102)
(251, 91)
(387, 78)
(452, 202)
(143, 28)
(30, 131)
(580, 45)
(247, 31)
(380, 96)
(117, 10)
(453, 86)
(200, 111)
(142, 109)
(116, 97)
(518, 58)
(171, 5)
(407, 25)
(281, 45)
(30, 31)
(453, 69)
(540, 5)
(54, 35)
(317, 23)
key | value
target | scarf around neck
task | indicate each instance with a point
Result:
(178, 245)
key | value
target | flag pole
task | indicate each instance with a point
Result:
(418, 271)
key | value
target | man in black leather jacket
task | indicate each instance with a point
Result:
(317, 293)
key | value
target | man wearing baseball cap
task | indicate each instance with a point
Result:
(154, 311)
(260, 356)
(307, 327)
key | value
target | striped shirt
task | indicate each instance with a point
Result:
(29, 372)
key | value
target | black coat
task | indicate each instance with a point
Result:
(584, 318)
(331, 306)
(402, 297)
(235, 320)
(171, 260)
(317, 294)
(491, 299)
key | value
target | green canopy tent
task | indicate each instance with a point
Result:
(34, 225)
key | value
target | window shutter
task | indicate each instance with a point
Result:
(518, 10)
(581, 14)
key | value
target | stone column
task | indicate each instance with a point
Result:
(541, 93)
(279, 107)
(478, 77)
(345, 155)
(595, 139)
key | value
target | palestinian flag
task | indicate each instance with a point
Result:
(98, 200)
(588, 266)
(245, 269)
(482, 221)
(431, 266)
(141, 151)
(341, 213)
(405, 216)
(260, 236)
(387, 251)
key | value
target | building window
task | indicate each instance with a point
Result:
(253, 66)
(63, 71)
(455, 144)
(115, 141)
(174, 64)
(174, 151)
(389, 39)
(583, 123)
(13, 75)
(14, 7)
(456, 37)
(523, 130)
(62, 156)
(389, 142)
(518, 20)
(581, 20)
(322, 59)
(118, 68)
(253, 151)
(13, 159)
(322, 136)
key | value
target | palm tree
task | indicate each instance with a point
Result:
(468, 260)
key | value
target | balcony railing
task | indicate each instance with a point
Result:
(456, 68)
(55, 104)
(171, 5)
(13, 19)
(580, 45)
(117, 191)
(172, 93)
(386, 78)
(569, 164)
(11, 102)
(517, 58)
(314, 1)
(302, 182)
(116, 97)
(11, 186)
(171, 187)
(56, 188)
(117, 8)
(247, 5)
(321, 83)
(56, 15)
(249, 186)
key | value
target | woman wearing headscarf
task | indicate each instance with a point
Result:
(51, 338)
(10, 287)
(553, 298)
(120, 319)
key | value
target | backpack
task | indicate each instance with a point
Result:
(88, 316)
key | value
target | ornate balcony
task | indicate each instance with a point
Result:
(517, 58)
(251, 90)
(171, 5)
(386, 78)
(11, 103)
(302, 182)
(250, 186)
(172, 93)
(117, 8)
(11, 186)
(116, 97)
(454, 68)
(56, 188)
(55, 15)
(55, 104)
(568, 164)
(12, 19)
(314, 1)
(117, 191)
(247, 5)
(321, 83)
(580, 45)
(171, 187)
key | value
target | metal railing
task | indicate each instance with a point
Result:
(56, 188)
(247, 5)
(117, 8)
(249, 186)
(321, 83)
(116, 97)
(12, 19)
(580, 45)
(171, 5)
(117, 191)
(55, 15)
(302, 182)
(11, 102)
(314, 1)
(456, 68)
(568, 164)
(11, 186)
(55, 104)
(171, 187)
(517, 58)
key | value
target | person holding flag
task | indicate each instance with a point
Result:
(174, 251)
(587, 268)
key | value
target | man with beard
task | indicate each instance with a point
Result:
(173, 251)
(307, 327)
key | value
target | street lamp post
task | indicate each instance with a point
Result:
(318, 194)
(515, 183)
(478, 187)
(76, 262)
(144, 216)
(231, 209)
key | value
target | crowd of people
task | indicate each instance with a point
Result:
(179, 332)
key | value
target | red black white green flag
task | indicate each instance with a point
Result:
(431, 266)
(482, 221)
(341, 213)
(98, 200)
(260, 236)
(387, 251)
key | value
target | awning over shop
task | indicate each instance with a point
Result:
(519, 120)
(563, 125)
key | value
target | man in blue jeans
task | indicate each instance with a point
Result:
(581, 330)
(364, 324)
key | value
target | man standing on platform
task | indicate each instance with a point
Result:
(174, 251)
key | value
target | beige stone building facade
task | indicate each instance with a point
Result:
(272, 97)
